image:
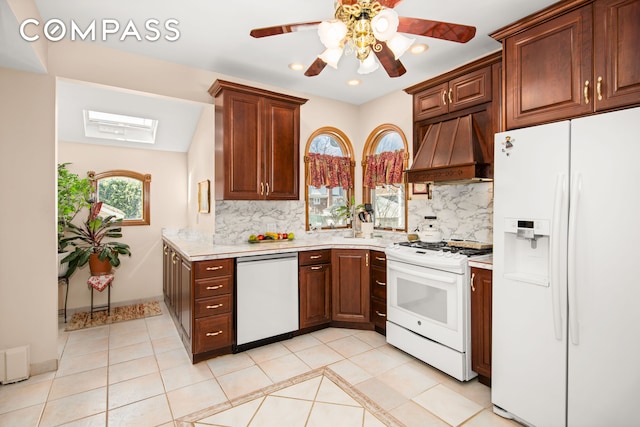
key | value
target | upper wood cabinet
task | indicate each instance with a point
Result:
(257, 143)
(465, 91)
(571, 59)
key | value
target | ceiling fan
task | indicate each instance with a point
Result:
(369, 28)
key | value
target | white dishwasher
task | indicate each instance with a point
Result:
(267, 297)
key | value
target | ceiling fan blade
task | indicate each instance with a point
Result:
(437, 29)
(282, 29)
(392, 66)
(389, 3)
(315, 68)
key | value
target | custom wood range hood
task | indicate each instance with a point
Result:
(451, 151)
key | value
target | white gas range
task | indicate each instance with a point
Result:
(428, 304)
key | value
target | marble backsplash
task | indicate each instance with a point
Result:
(463, 212)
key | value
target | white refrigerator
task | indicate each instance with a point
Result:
(566, 273)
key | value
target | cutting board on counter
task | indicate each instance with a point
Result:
(469, 244)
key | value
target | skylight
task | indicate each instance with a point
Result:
(119, 127)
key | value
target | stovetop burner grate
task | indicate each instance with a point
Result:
(444, 247)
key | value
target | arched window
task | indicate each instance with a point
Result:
(124, 194)
(384, 158)
(329, 169)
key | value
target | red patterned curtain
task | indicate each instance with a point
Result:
(384, 168)
(330, 171)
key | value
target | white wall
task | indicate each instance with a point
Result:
(28, 262)
(139, 276)
(201, 167)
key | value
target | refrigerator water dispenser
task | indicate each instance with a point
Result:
(527, 250)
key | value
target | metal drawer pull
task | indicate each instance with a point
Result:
(213, 288)
(212, 307)
(380, 283)
(599, 88)
(380, 314)
(219, 267)
(444, 97)
(381, 258)
(473, 277)
(213, 334)
(316, 267)
(315, 256)
(450, 98)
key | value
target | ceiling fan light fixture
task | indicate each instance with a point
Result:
(368, 65)
(331, 56)
(332, 33)
(399, 44)
(385, 24)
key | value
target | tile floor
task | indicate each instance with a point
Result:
(137, 373)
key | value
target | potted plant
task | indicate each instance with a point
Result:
(73, 195)
(90, 246)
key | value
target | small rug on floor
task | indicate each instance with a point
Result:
(118, 314)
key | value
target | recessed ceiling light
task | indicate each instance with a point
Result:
(418, 48)
(118, 127)
(295, 66)
(354, 82)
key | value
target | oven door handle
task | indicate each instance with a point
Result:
(442, 279)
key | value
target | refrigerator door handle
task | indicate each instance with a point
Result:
(554, 259)
(576, 187)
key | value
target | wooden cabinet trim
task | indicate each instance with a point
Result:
(457, 72)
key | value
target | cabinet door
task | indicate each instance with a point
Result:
(481, 294)
(185, 298)
(469, 90)
(282, 152)
(617, 62)
(350, 285)
(548, 70)
(431, 102)
(315, 295)
(174, 284)
(166, 272)
(243, 146)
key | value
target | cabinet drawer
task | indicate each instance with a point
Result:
(379, 283)
(379, 259)
(213, 268)
(212, 333)
(379, 313)
(314, 257)
(212, 306)
(212, 287)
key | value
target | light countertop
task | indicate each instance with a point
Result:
(198, 249)
(201, 250)
(482, 261)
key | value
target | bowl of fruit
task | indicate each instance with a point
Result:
(270, 237)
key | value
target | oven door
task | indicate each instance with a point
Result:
(429, 302)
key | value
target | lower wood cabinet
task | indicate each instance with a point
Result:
(481, 295)
(378, 285)
(199, 296)
(350, 285)
(315, 287)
